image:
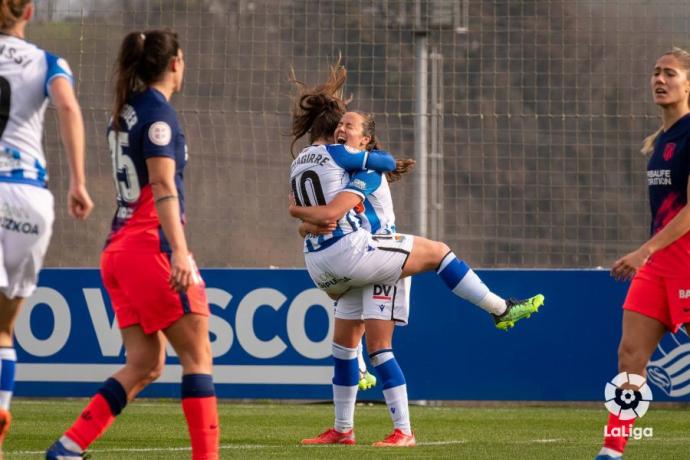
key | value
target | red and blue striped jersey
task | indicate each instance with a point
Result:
(148, 128)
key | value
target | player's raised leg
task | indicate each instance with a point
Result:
(427, 255)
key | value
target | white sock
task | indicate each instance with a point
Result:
(360, 359)
(396, 400)
(493, 304)
(610, 452)
(344, 399)
(345, 390)
(69, 444)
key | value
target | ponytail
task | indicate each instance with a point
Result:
(318, 110)
(142, 60)
(649, 141)
(126, 80)
(11, 12)
(402, 166)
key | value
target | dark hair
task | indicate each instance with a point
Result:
(402, 166)
(317, 110)
(142, 60)
(11, 11)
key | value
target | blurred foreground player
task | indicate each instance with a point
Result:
(29, 77)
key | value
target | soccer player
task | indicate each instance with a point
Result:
(350, 257)
(657, 299)
(29, 77)
(329, 97)
(374, 309)
(151, 278)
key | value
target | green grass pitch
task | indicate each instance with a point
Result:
(153, 429)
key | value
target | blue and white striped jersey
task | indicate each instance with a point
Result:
(26, 72)
(378, 216)
(320, 172)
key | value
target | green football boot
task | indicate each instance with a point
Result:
(366, 380)
(517, 310)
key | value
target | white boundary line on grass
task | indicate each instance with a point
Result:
(172, 373)
(268, 446)
(151, 449)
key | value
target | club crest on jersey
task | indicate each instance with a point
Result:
(360, 184)
(669, 150)
(160, 133)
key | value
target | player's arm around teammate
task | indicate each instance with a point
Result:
(30, 77)
(660, 267)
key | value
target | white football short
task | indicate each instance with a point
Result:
(26, 224)
(377, 301)
(359, 259)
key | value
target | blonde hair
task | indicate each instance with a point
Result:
(684, 58)
(11, 11)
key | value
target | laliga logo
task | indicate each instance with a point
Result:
(625, 403)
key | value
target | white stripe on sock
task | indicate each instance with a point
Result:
(445, 261)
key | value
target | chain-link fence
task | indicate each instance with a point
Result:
(531, 119)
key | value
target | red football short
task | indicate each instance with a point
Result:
(141, 294)
(664, 299)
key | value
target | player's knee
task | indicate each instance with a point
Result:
(151, 372)
(197, 360)
(631, 358)
(442, 249)
(375, 346)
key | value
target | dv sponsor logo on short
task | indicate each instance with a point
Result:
(684, 293)
(382, 292)
(628, 397)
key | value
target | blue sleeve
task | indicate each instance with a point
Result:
(57, 67)
(380, 161)
(353, 160)
(159, 133)
(364, 182)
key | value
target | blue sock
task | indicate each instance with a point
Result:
(345, 383)
(465, 283)
(394, 388)
(8, 362)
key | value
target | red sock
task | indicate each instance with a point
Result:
(93, 421)
(617, 433)
(202, 421)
